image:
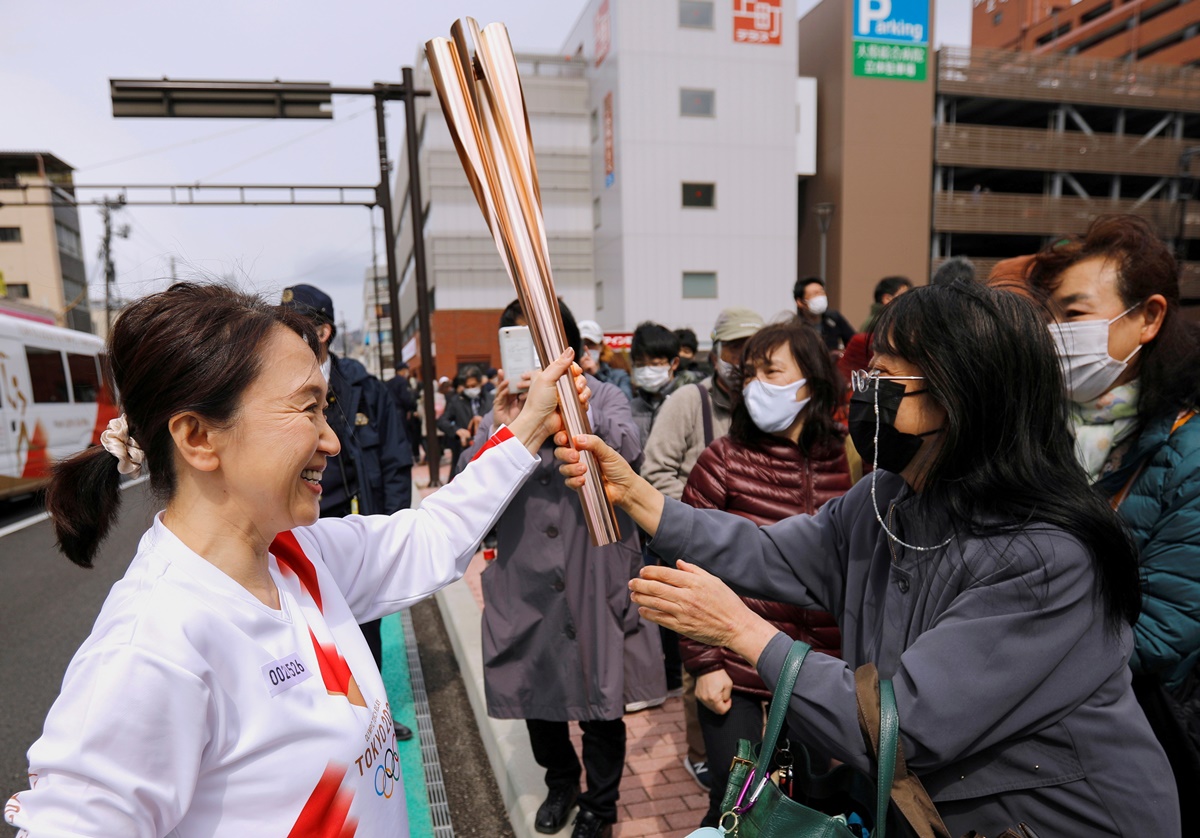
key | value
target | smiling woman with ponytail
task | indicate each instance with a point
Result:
(226, 688)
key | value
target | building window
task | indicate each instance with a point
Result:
(696, 102)
(85, 377)
(68, 240)
(10, 234)
(16, 290)
(696, 14)
(595, 213)
(699, 285)
(47, 375)
(595, 125)
(998, 19)
(699, 194)
(599, 296)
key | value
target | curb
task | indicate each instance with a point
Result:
(506, 741)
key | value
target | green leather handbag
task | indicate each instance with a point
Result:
(842, 803)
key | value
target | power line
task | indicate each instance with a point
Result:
(284, 144)
(171, 147)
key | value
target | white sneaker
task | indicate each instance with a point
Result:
(638, 706)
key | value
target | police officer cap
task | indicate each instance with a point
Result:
(309, 301)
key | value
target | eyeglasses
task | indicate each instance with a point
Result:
(861, 380)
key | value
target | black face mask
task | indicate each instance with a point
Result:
(896, 449)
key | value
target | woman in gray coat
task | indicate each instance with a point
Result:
(561, 640)
(975, 568)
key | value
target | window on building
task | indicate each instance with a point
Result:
(699, 194)
(47, 374)
(383, 310)
(10, 234)
(595, 122)
(599, 296)
(699, 285)
(68, 240)
(696, 102)
(696, 14)
(85, 377)
(595, 213)
(17, 290)
(998, 18)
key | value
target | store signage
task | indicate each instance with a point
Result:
(609, 164)
(891, 39)
(757, 21)
(602, 26)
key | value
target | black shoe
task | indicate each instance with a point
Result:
(552, 814)
(589, 825)
(403, 733)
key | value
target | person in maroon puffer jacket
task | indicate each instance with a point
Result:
(785, 455)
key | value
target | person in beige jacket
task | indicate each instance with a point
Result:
(689, 420)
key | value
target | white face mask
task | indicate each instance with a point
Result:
(1088, 369)
(818, 305)
(472, 392)
(773, 407)
(594, 355)
(651, 379)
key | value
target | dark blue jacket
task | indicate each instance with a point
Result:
(375, 463)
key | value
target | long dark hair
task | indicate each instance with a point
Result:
(190, 349)
(1169, 365)
(824, 383)
(1007, 457)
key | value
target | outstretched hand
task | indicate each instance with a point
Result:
(623, 486)
(692, 602)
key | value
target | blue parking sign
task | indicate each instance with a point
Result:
(895, 21)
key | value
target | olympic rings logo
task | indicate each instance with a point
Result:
(386, 774)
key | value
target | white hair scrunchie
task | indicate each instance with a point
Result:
(116, 441)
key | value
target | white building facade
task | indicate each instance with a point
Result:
(694, 150)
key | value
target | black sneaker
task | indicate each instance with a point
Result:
(589, 825)
(699, 772)
(552, 814)
(403, 733)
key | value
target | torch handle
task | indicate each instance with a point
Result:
(598, 512)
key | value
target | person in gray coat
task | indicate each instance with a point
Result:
(975, 568)
(561, 640)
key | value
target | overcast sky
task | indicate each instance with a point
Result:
(54, 71)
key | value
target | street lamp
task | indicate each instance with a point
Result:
(824, 213)
(313, 100)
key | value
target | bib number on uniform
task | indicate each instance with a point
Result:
(285, 673)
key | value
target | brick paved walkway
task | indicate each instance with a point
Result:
(658, 796)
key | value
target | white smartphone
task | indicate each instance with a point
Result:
(517, 355)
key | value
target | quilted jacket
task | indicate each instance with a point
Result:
(1162, 511)
(766, 482)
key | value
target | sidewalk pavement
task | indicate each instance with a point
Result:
(658, 796)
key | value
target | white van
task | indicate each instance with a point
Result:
(54, 399)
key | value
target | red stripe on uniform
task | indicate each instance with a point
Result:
(498, 437)
(325, 813)
(290, 555)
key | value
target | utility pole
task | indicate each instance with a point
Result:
(110, 267)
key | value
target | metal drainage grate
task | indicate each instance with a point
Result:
(439, 807)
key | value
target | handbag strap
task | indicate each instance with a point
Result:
(706, 415)
(906, 791)
(779, 707)
(889, 742)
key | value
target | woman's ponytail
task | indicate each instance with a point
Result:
(83, 499)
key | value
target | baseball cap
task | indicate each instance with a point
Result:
(309, 301)
(736, 323)
(590, 330)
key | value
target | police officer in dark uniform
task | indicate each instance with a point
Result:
(373, 472)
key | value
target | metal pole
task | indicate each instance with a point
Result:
(109, 268)
(375, 299)
(384, 198)
(433, 453)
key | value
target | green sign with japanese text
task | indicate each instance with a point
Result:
(891, 39)
(889, 61)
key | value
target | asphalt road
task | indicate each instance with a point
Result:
(47, 607)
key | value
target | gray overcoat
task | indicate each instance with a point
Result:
(561, 639)
(1014, 697)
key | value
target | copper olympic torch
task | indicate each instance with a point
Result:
(475, 73)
